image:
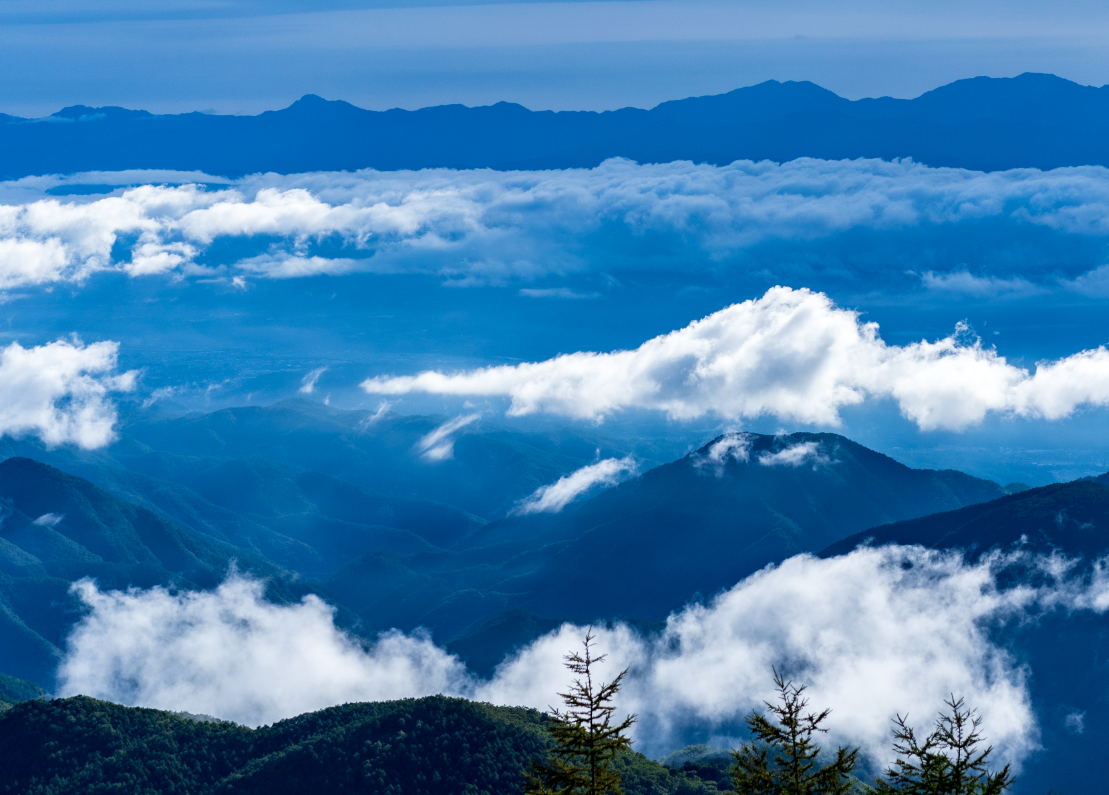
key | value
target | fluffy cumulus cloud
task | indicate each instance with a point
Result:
(61, 392)
(556, 496)
(792, 354)
(873, 633)
(229, 652)
(488, 227)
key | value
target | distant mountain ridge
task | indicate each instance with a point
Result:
(1033, 120)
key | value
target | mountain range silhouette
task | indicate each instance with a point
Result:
(1030, 121)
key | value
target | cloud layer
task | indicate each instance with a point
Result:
(60, 392)
(490, 227)
(791, 354)
(874, 632)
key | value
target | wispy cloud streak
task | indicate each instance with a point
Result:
(556, 496)
(439, 444)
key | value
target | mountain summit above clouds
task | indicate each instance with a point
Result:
(1033, 120)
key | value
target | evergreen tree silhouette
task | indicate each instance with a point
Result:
(585, 738)
(946, 762)
(788, 735)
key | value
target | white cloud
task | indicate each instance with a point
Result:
(288, 266)
(1075, 722)
(229, 653)
(1094, 283)
(802, 453)
(487, 227)
(557, 292)
(60, 392)
(372, 419)
(49, 519)
(439, 444)
(791, 354)
(729, 447)
(556, 496)
(308, 383)
(28, 262)
(873, 633)
(965, 283)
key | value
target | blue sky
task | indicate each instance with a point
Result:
(245, 57)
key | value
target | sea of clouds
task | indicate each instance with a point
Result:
(872, 633)
(488, 227)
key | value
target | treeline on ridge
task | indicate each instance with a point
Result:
(433, 746)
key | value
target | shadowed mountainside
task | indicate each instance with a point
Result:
(646, 547)
(1034, 120)
(1072, 518)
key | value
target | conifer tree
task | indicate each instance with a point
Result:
(788, 736)
(585, 738)
(947, 762)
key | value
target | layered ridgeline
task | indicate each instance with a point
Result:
(429, 746)
(1068, 517)
(1033, 120)
(681, 531)
(176, 502)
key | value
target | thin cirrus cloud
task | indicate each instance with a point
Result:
(487, 227)
(439, 444)
(308, 383)
(61, 392)
(873, 633)
(553, 497)
(791, 354)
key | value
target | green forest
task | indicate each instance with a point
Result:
(446, 746)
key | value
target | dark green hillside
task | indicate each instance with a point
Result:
(1071, 517)
(13, 691)
(646, 547)
(432, 746)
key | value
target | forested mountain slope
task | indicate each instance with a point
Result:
(428, 746)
